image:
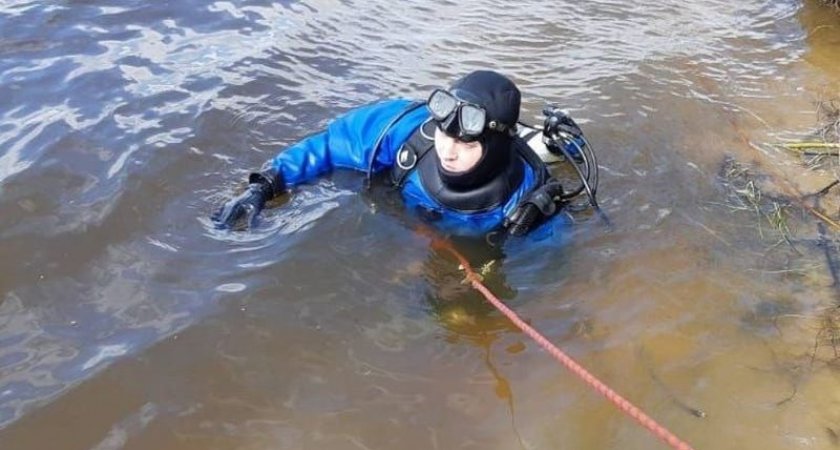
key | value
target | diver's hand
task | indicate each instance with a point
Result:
(263, 186)
(247, 205)
(523, 219)
(559, 123)
(540, 205)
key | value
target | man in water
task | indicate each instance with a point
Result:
(457, 159)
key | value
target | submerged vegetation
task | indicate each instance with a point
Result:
(822, 149)
(772, 213)
(821, 152)
(827, 156)
(799, 222)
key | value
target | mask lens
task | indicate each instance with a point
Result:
(441, 104)
(472, 120)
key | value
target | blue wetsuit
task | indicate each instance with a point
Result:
(349, 141)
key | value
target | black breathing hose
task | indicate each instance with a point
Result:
(584, 179)
(589, 177)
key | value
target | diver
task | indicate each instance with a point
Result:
(459, 159)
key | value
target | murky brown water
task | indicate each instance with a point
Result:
(127, 322)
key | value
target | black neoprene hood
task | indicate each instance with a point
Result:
(501, 99)
(493, 91)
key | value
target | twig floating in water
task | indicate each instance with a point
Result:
(800, 145)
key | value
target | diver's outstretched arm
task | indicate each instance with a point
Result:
(348, 142)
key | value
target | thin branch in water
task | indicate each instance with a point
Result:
(824, 190)
(696, 412)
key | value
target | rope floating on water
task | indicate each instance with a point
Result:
(620, 402)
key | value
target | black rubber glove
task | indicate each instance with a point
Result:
(262, 187)
(538, 206)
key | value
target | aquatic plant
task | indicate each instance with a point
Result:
(821, 149)
(745, 195)
(821, 152)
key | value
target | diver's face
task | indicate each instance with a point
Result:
(456, 156)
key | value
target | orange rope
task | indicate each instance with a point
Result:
(620, 402)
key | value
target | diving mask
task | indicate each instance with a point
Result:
(471, 119)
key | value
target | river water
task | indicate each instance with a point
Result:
(126, 321)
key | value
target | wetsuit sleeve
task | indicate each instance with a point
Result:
(346, 143)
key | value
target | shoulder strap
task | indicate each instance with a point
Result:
(411, 107)
(411, 152)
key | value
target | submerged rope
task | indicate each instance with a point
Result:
(620, 402)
